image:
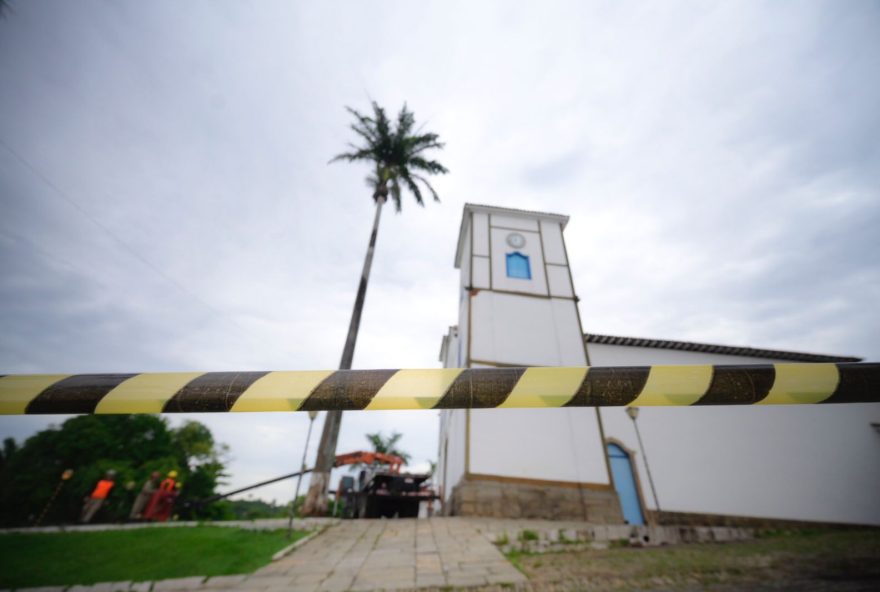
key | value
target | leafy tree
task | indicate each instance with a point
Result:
(9, 448)
(132, 445)
(396, 150)
(195, 441)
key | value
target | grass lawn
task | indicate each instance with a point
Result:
(799, 560)
(53, 559)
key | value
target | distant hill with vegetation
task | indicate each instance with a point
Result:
(251, 510)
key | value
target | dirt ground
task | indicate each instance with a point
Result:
(804, 560)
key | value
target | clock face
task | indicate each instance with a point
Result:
(516, 240)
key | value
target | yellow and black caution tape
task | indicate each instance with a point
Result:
(449, 388)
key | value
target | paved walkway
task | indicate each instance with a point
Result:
(387, 554)
(355, 555)
(360, 555)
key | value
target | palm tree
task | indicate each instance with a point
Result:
(396, 151)
(384, 445)
(388, 445)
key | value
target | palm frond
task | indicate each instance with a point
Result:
(411, 185)
(366, 133)
(426, 184)
(418, 144)
(430, 166)
(353, 156)
(382, 125)
(405, 122)
(376, 441)
(372, 181)
(397, 152)
(395, 194)
(363, 122)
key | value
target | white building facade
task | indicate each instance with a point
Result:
(518, 307)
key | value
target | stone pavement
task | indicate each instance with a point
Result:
(360, 555)
(387, 554)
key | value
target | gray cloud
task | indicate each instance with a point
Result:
(719, 164)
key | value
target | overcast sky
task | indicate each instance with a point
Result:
(167, 203)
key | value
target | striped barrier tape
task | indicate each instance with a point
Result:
(449, 388)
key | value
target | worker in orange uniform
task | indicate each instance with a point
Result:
(94, 502)
(166, 504)
(159, 507)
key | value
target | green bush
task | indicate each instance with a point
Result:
(528, 535)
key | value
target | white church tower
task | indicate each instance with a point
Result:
(714, 465)
(518, 307)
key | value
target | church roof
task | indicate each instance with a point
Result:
(708, 348)
(517, 212)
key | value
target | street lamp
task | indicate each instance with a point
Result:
(312, 416)
(65, 477)
(633, 413)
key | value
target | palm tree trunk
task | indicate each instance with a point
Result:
(316, 499)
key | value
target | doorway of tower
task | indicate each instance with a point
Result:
(626, 483)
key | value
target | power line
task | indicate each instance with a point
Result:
(131, 250)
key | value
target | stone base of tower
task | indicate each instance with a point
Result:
(503, 497)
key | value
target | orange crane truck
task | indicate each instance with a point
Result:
(381, 490)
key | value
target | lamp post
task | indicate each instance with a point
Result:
(633, 413)
(65, 477)
(312, 416)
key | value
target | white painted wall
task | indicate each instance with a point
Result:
(559, 281)
(615, 355)
(466, 261)
(463, 303)
(554, 249)
(516, 221)
(463, 328)
(449, 348)
(801, 462)
(804, 462)
(548, 444)
(481, 233)
(532, 249)
(481, 274)
(452, 450)
(519, 330)
(551, 444)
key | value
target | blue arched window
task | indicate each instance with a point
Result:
(518, 266)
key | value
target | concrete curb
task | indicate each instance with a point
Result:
(259, 524)
(296, 544)
(540, 539)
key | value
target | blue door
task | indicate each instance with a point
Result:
(625, 484)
